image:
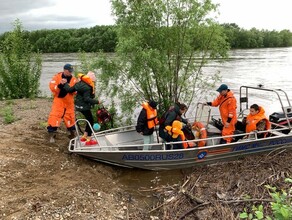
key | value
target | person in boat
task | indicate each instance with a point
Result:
(146, 122)
(175, 134)
(256, 120)
(227, 107)
(174, 113)
(63, 103)
(85, 98)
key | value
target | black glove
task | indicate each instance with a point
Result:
(60, 86)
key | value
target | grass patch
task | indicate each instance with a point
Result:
(30, 105)
(7, 114)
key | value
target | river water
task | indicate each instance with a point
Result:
(270, 67)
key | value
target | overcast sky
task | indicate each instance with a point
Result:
(50, 14)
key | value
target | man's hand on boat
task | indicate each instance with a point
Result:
(207, 103)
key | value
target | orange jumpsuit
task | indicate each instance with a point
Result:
(227, 107)
(63, 104)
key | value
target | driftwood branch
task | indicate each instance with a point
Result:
(192, 197)
(166, 202)
(194, 208)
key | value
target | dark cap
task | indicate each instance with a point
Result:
(222, 87)
(153, 104)
(69, 67)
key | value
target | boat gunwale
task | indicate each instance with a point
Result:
(162, 145)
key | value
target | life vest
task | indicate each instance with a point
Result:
(151, 113)
(252, 120)
(175, 130)
(201, 131)
(87, 80)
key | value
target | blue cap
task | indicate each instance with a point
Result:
(69, 67)
(222, 87)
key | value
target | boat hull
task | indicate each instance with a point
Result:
(184, 158)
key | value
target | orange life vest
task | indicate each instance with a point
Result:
(200, 128)
(87, 80)
(151, 113)
(175, 131)
(252, 120)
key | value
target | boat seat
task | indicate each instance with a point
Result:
(214, 141)
(213, 130)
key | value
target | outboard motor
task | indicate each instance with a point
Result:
(280, 118)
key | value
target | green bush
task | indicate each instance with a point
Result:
(7, 114)
(281, 205)
(20, 69)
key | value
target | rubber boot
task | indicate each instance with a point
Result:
(52, 137)
(72, 134)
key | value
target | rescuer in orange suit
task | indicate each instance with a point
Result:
(63, 103)
(227, 107)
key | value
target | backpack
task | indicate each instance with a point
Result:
(103, 116)
(164, 115)
(188, 133)
(162, 118)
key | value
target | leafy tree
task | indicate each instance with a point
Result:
(286, 37)
(232, 31)
(162, 47)
(20, 69)
(104, 38)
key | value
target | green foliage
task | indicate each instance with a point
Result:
(104, 38)
(20, 69)
(74, 40)
(281, 205)
(162, 47)
(7, 114)
(253, 38)
(257, 213)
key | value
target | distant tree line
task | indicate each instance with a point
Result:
(253, 38)
(72, 40)
(104, 38)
